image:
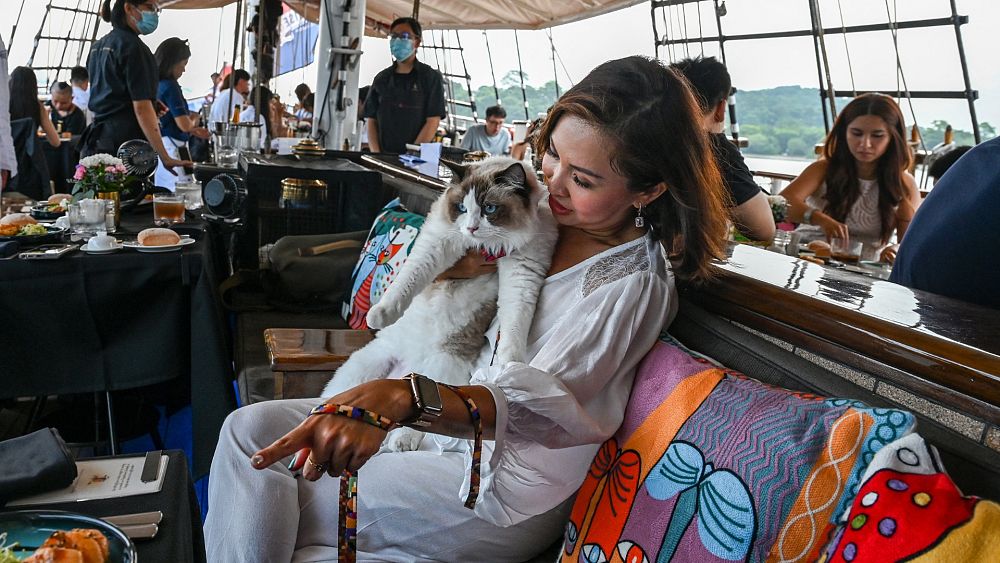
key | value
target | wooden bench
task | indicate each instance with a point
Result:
(304, 359)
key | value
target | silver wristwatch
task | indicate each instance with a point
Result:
(808, 215)
(427, 399)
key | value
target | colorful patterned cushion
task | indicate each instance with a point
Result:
(710, 465)
(908, 509)
(389, 242)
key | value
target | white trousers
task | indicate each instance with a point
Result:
(165, 179)
(408, 504)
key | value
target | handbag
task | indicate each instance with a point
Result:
(34, 463)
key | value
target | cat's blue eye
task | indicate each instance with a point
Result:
(460, 207)
(489, 208)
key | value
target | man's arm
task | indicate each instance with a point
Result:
(754, 219)
(428, 131)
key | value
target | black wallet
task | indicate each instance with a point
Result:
(34, 463)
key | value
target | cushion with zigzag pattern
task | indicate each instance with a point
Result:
(711, 465)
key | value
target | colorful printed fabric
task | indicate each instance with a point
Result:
(710, 465)
(909, 509)
(477, 445)
(389, 242)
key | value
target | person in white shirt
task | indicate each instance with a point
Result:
(80, 80)
(222, 108)
(491, 136)
(608, 293)
(8, 160)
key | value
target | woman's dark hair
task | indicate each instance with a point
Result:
(116, 15)
(172, 51)
(301, 91)
(652, 123)
(309, 102)
(24, 95)
(412, 22)
(842, 186)
(260, 97)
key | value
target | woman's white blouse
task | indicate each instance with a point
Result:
(593, 324)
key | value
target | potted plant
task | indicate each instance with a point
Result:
(101, 176)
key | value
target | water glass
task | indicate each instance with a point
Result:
(87, 217)
(191, 191)
(846, 250)
(168, 209)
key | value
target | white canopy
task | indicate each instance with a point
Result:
(456, 14)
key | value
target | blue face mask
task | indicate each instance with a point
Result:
(400, 48)
(148, 23)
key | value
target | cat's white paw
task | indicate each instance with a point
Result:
(509, 353)
(381, 315)
(403, 440)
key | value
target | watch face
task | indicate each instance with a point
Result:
(429, 398)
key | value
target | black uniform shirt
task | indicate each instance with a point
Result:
(122, 70)
(74, 122)
(402, 103)
(735, 173)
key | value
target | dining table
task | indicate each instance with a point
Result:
(86, 323)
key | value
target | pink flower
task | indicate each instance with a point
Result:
(80, 172)
(109, 169)
(120, 168)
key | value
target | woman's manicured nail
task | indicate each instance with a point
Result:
(257, 460)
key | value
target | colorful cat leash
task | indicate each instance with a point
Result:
(347, 525)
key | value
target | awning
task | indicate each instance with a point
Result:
(456, 14)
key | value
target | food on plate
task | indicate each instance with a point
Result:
(9, 230)
(812, 259)
(58, 202)
(29, 230)
(820, 247)
(19, 219)
(158, 237)
(83, 545)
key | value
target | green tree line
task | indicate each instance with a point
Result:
(782, 121)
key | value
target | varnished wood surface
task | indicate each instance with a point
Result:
(390, 164)
(952, 345)
(312, 349)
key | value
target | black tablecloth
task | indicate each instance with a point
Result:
(179, 539)
(86, 323)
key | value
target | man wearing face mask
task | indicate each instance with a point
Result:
(406, 101)
(123, 82)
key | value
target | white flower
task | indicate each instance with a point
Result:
(100, 160)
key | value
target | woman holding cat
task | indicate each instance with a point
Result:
(628, 170)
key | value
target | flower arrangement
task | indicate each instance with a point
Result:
(98, 173)
(779, 207)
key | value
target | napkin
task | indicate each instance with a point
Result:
(34, 463)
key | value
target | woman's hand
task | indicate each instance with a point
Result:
(888, 254)
(472, 265)
(338, 442)
(201, 132)
(831, 227)
(170, 163)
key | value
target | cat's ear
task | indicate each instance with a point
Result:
(516, 175)
(460, 170)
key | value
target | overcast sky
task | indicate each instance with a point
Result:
(929, 57)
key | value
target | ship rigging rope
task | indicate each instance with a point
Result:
(847, 50)
(493, 74)
(901, 74)
(701, 33)
(13, 31)
(555, 71)
(818, 26)
(520, 74)
(684, 15)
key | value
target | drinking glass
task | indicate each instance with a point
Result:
(191, 191)
(87, 217)
(845, 250)
(168, 209)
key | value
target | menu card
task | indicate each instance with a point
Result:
(103, 478)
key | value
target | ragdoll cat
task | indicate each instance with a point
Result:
(438, 329)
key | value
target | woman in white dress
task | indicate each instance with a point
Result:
(861, 189)
(629, 174)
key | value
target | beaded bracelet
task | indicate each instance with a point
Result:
(477, 448)
(347, 524)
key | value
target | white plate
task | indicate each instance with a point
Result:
(116, 248)
(165, 248)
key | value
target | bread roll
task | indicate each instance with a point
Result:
(158, 237)
(820, 247)
(57, 198)
(19, 219)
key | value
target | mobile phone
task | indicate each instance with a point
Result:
(48, 252)
(185, 154)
